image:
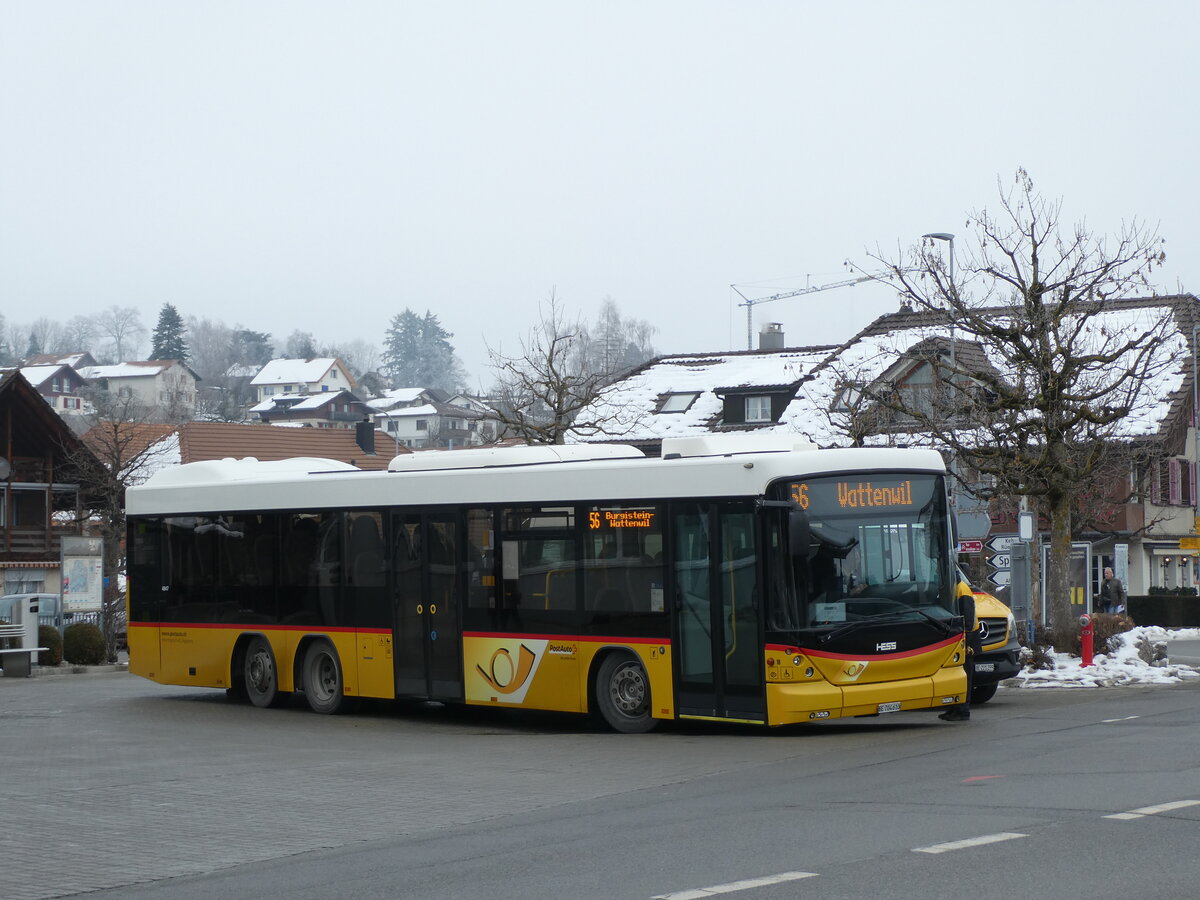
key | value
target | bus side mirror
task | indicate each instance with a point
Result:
(799, 533)
(966, 607)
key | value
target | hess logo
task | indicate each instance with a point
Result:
(503, 675)
(884, 646)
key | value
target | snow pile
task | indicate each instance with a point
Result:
(1127, 665)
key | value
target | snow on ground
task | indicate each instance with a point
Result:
(1112, 669)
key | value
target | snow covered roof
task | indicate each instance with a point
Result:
(296, 371)
(890, 338)
(678, 396)
(302, 402)
(425, 409)
(681, 395)
(39, 375)
(139, 369)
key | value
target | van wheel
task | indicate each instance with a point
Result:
(261, 674)
(323, 686)
(623, 694)
(982, 693)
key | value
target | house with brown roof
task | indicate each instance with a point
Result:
(198, 441)
(335, 409)
(43, 470)
(62, 387)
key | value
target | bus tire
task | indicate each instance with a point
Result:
(324, 688)
(623, 694)
(261, 674)
(982, 693)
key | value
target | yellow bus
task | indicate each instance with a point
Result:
(736, 579)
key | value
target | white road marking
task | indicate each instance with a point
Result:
(1153, 810)
(733, 886)
(971, 842)
(1125, 719)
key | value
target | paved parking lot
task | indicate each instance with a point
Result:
(111, 780)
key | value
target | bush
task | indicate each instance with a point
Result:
(49, 638)
(1106, 629)
(83, 644)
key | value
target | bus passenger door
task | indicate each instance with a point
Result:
(717, 610)
(428, 632)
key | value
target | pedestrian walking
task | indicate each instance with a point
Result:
(1112, 593)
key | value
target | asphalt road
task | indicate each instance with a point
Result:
(120, 787)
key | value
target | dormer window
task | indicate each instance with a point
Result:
(758, 409)
(677, 403)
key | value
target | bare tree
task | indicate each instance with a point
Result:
(128, 450)
(123, 327)
(1046, 365)
(546, 390)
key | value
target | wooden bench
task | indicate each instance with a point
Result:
(18, 660)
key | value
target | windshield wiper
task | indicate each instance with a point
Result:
(851, 626)
(942, 626)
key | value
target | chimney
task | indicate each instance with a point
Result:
(771, 337)
(364, 434)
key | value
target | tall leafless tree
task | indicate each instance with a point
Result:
(547, 389)
(1056, 386)
(128, 448)
(123, 327)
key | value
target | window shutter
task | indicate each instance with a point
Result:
(1156, 484)
(1173, 469)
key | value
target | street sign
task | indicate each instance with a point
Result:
(1002, 560)
(970, 546)
(1189, 543)
(1002, 543)
(1003, 578)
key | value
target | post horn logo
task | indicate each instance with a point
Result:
(516, 674)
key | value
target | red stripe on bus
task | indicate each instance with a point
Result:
(585, 638)
(823, 654)
(251, 626)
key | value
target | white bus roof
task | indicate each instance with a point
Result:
(514, 475)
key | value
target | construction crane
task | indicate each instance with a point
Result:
(750, 303)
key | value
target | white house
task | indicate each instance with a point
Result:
(428, 417)
(165, 385)
(302, 376)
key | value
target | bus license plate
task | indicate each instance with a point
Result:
(889, 707)
(985, 667)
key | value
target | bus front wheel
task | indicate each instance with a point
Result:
(323, 686)
(261, 674)
(623, 694)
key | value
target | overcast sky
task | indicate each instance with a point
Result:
(321, 166)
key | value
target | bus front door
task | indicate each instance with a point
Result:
(719, 664)
(428, 632)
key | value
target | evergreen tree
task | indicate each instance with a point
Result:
(252, 348)
(417, 353)
(167, 341)
(301, 345)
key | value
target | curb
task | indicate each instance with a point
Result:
(68, 669)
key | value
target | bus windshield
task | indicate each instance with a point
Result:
(878, 549)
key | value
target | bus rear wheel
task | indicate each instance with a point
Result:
(261, 674)
(323, 686)
(623, 694)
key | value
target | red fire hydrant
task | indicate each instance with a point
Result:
(1085, 626)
